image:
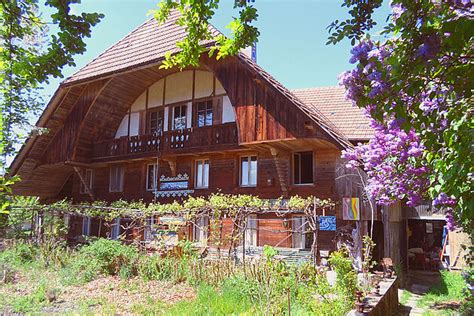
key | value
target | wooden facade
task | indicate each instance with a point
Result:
(118, 130)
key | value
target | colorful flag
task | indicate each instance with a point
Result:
(350, 209)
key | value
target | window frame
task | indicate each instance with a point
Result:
(208, 106)
(202, 160)
(155, 165)
(249, 159)
(293, 168)
(122, 176)
(82, 188)
(173, 118)
(160, 111)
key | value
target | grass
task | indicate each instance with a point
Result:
(451, 289)
(405, 297)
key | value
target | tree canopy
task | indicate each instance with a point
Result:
(32, 49)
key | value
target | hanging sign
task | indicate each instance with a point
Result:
(350, 209)
(327, 223)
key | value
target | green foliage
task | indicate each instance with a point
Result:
(5, 191)
(102, 257)
(195, 17)
(452, 287)
(346, 276)
(34, 47)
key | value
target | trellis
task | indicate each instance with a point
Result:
(217, 207)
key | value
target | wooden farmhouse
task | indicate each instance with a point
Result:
(123, 128)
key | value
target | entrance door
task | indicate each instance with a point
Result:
(299, 228)
(251, 231)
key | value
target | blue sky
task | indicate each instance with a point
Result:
(291, 46)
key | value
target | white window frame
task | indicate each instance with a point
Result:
(204, 181)
(155, 166)
(122, 175)
(82, 187)
(249, 160)
(293, 167)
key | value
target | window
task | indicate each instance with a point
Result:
(251, 231)
(115, 233)
(204, 113)
(303, 167)
(152, 177)
(299, 228)
(202, 174)
(179, 117)
(200, 229)
(155, 122)
(248, 171)
(116, 178)
(86, 226)
(87, 176)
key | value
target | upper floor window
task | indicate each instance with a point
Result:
(116, 178)
(87, 176)
(303, 167)
(202, 173)
(152, 177)
(248, 171)
(155, 119)
(179, 117)
(204, 113)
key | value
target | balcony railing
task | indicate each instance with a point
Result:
(176, 140)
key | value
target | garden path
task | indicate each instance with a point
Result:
(418, 283)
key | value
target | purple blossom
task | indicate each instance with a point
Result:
(361, 51)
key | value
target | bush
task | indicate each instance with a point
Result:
(102, 257)
(19, 254)
(346, 276)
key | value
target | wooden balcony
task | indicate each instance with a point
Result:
(202, 139)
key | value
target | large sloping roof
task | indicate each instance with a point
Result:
(146, 44)
(149, 43)
(331, 102)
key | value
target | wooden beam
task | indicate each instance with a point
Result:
(279, 168)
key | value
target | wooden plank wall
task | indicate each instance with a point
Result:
(262, 112)
(224, 176)
(62, 145)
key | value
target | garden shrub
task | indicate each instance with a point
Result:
(102, 257)
(19, 254)
(346, 276)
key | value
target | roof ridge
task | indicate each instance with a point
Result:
(317, 88)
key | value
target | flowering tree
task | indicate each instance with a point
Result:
(416, 86)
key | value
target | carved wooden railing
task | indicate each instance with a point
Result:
(203, 138)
